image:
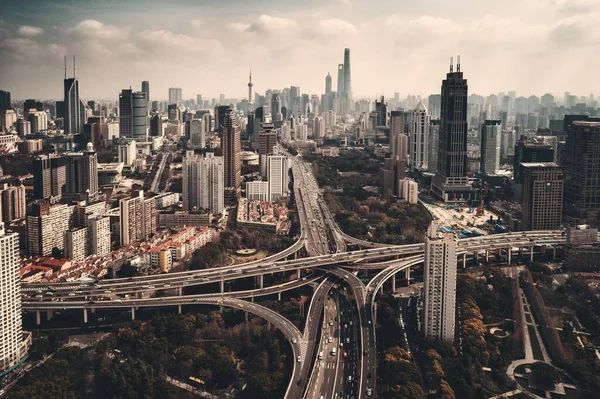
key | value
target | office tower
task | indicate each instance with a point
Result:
(12, 346)
(434, 103)
(582, 172)
(276, 107)
(49, 177)
(133, 115)
(419, 136)
(156, 125)
(5, 103)
(199, 101)
(12, 203)
(542, 202)
(267, 139)
(328, 84)
(390, 175)
(98, 234)
(38, 121)
(434, 129)
(32, 105)
(530, 150)
(197, 133)
(74, 114)
(231, 146)
(450, 182)
(439, 291)
(96, 130)
(127, 152)
(340, 80)
(397, 123)
(82, 175)
(381, 111)
(175, 96)
(146, 90)
(257, 190)
(408, 190)
(399, 146)
(46, 228)
(23, 127)
(137, 218)
(220, 113)
(490, 147)
(319, 128)
(347, 79)
(76, 243)
(277, 176)
(203, 183)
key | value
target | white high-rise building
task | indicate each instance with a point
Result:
(203, 183)
(76, 244)
(439, 289)
(277, 175)
(491, 140)
(12, 346)
(257, 190)
(419, 136)
(98, 234)
(127, 152)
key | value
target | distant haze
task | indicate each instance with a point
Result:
(206, 47)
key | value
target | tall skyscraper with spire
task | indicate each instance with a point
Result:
(347, 77)
(250, 86)
(450, 182)
(231, 146)
(327, 84)
(74, 114)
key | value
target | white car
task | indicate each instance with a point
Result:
(299, 359)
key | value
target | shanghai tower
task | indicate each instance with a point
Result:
(347, 79)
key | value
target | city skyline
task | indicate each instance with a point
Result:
(119, 49)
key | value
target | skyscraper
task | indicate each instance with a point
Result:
(146, 90)
(340, 80)
(276, 107)
(5, 100)
(542, 196)
(133, 115)
(81, 175)
(490, 147)
(12, 346)
(381, 110)
(12, 202)
(250, 86)
(175, 95)
(137, 218)
(419, 136)
(582, 170)
(203, 183)
(277, 176)
(347, 78)
(197, 133)
(49, 177)
(439, 289)
(327, 84)
(74, 117)
(46, 227)
(231, 146)
(450, 182)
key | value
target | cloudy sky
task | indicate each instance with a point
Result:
(207, 46)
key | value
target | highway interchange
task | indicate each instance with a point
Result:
(341, 309)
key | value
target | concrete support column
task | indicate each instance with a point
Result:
(521, 252)
(180, 291)
(407, 275)
(393, 283)
(85, 315)
(222, 286)
(299, 274)
(179, 309)
(221, 309)
(49, 314)
(38, 317)
(531, 254)
(133, 313)
(465, 260)
(261, 281)
(509, 256)
(279, 296)
(553, 253)
(296, 255)
(374, 314)
(487, 255)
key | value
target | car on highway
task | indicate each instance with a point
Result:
(294, 340)
(369, 391)
(298, 359)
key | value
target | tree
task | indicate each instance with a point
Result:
(446, 391)
(544, 374)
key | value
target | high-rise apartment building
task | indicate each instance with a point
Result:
(257, 190)
(12, 203)
(277, 176)
(133, 115)
(582, 172)
(439, 281)
(138, 218)
(419, 136)
(231, 146)
(203, 183)
(46, 227)
(76, 240)
(13, 347)
(98, 234)
(175, 96)
(530, 150)
(542, 202)
(450, 182)
(49, 177)
(490, 147)
(81, 175)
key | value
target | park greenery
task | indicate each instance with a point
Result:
(220, 349)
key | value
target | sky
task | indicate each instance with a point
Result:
(207, 46)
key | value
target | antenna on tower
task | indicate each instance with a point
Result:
(65, 66)
(451, 64)
(74, 75)
(458, 63)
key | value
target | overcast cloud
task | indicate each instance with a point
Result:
(207, 47)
